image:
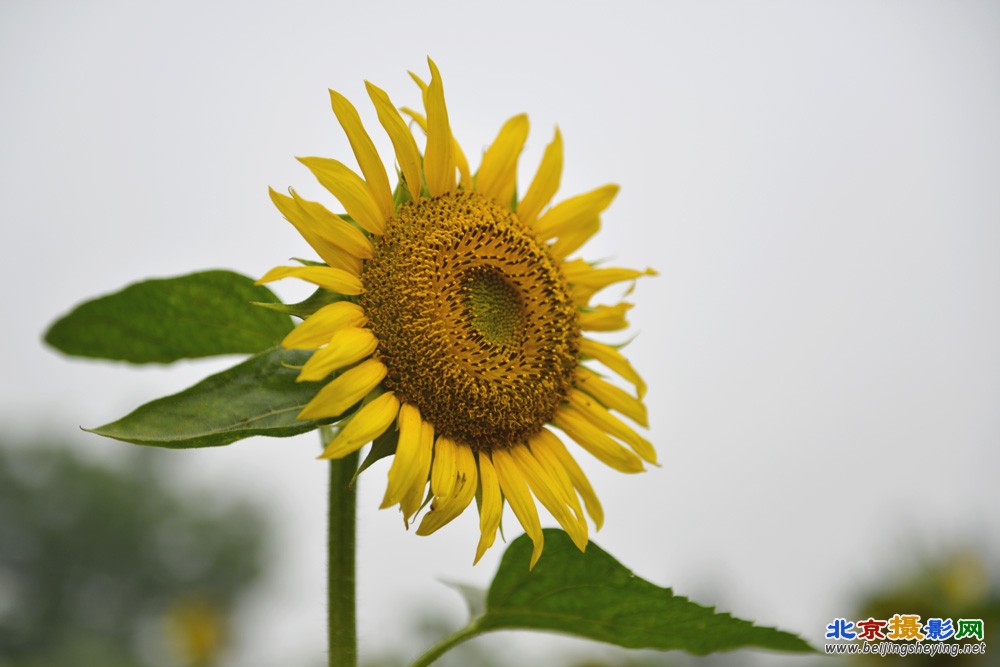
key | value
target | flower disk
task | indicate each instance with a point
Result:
(476, 325)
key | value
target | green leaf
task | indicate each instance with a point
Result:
(257, 397)
(592, 595)
(166, 319)
(310, 305)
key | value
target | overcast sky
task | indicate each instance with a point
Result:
(817, 184)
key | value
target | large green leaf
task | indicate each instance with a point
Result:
(592, 595)
(257, 397)
(166, 319)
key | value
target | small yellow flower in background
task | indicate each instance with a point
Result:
(196, 630)
(459, 321)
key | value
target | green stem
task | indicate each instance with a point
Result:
(434, 652)
(342, 627)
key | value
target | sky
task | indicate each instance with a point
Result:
(816, 184)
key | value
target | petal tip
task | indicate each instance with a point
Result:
(535, 555)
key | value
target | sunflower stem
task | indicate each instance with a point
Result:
(342, 633)
(436, 651)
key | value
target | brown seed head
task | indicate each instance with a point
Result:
(475, 321)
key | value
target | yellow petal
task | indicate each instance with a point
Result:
(345, 390)
(556, 471)
(614, 360)
(498, 173)
(579, 272)
(569, 242)
(443, 472)
(605, 318)
(596, 441)
(335, 229)
(439, 163)
(319, 327)
(368, 423)
(335, 280)
(545, 184)
(364, 150)
(443, 510)
(587, 282)
(347, 346)
(465, 177)
(547, 490)
(552, 453)
(490, 506)
(414, 495)
(420, 82)
(520, 500)
(416, 117)
(405, 464)
(329, 252)
(574, 267)
(353, 193)
(603, 419)
(611, 396)
(575, 211)
(407, 153)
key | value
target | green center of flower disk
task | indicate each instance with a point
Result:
(475, 322)
(494, 306)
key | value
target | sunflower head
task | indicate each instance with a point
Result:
(456, 325)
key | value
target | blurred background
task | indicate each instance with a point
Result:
(817, 184)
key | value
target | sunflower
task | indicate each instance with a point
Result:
(454, 324)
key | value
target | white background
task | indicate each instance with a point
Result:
(816, 182)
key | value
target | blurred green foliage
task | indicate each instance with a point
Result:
(112, 566)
